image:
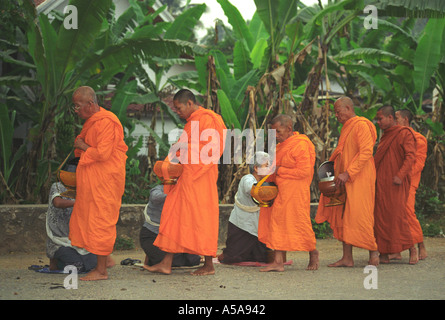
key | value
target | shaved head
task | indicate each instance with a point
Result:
(344, 109)
(345, 101)
(283, 125)
(405, 113)
(283, 119)
(86, 94)
(387, 111)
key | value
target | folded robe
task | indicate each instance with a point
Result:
(190, 217)
(353, 223)
(100, 184)
(286, 225)
(395, 156)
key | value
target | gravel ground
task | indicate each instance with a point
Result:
(398, 280)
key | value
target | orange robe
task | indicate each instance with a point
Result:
(190, 217)
(286, 225)
(353, 223)
(422, 148)
(100, 184)
(395, 156)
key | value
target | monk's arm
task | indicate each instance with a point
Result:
(303, 165)
(409, 147)
(365, 142)
(105, 143)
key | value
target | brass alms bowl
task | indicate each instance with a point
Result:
(265, 194)
(168, 172)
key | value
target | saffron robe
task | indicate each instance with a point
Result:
(395, 156)
(286, 225)
(100, 184)
(421, 153)
(190, 217)
(353, 223)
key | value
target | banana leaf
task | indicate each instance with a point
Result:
(428, 55)
(236, 20)
(227, 112)
(182, 27)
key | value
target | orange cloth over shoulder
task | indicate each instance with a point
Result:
(190, 217)
(395, 156)
(421, 153)
(353, 223)
(286, 225)
(100, 177)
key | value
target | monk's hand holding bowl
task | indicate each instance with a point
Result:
(342, 179)
(79, 143)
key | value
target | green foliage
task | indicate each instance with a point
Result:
(124, 242)
(428, 202)
(321, 230)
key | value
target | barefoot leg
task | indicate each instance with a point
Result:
(413, 257)
(206, 269)
(346, 260)
(98, 273)
(277, 264)
(165, 266)
(373, 258)
(422, 251)
(313, 260)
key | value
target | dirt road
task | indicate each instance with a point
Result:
(397, 280)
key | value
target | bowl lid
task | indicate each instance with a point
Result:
(326, 170)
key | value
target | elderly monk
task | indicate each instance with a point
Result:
(394, 159)
(286, 225)
(353, 222)
(190, 217)
(100, 177)
(404, 118)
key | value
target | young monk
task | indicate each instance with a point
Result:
(190, 217)
(353, 222)
(404, 118)
(394, 159)
(100, 181)
(286, 225)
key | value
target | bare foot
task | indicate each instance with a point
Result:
(160, 268)
(110, 262)
(342, 263)
(422, 251)
(373, 258)
(94, 275)
(313, 260)
(384, 258)
(273, 267)
(413, 257)
(395, 256)
(205, 270)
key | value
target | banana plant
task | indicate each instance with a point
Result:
(67, 58)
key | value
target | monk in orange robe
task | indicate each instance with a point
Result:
(404, 118)
(100, 181)
(353, 222)
(286, 225)
(190, 217)
(394, 159)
